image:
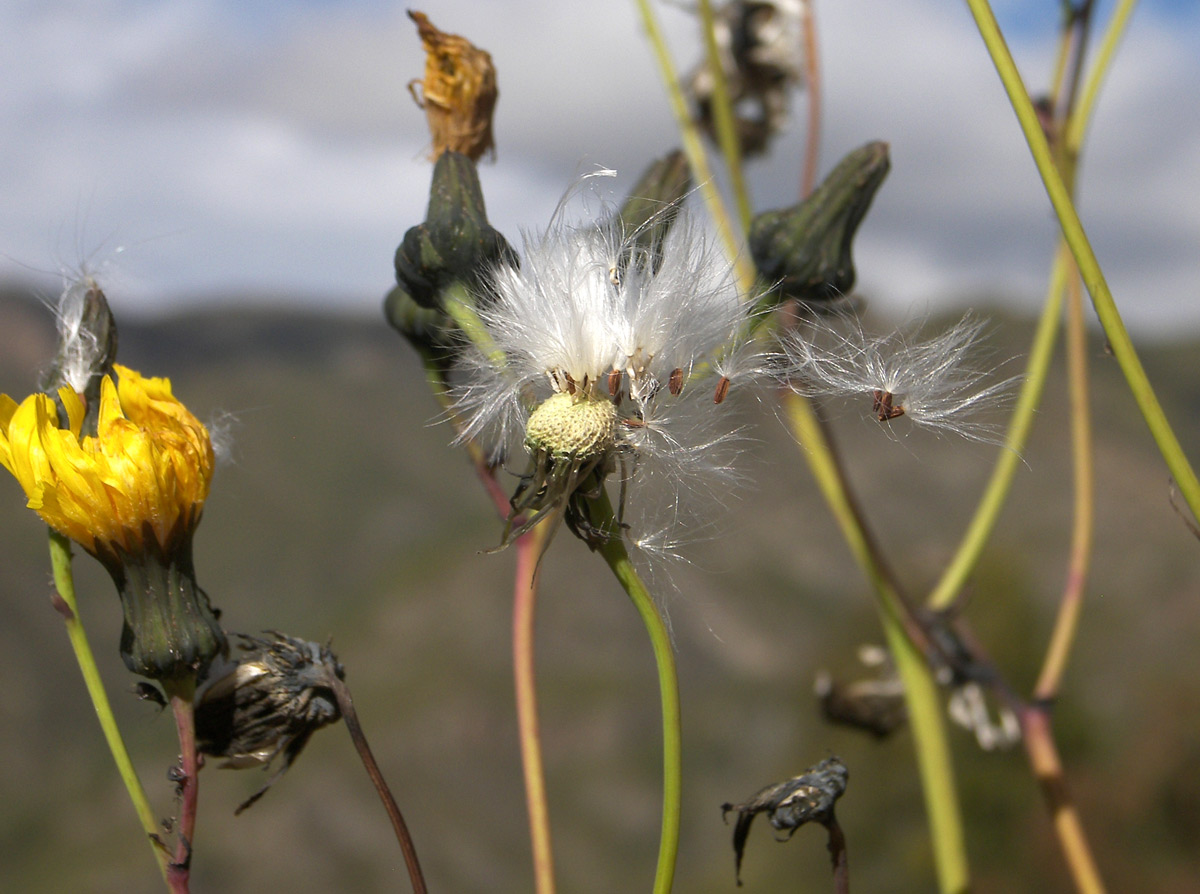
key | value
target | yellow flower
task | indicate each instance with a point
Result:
(145, 473)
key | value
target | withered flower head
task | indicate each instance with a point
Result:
(458, 92)
(807, 798)
(268, 704)
(761, 50)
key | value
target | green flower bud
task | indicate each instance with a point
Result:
(456, 242)
(804, 251)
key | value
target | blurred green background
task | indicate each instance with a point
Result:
(345, 513)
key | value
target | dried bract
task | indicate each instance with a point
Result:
(458, 92)
(874, 705)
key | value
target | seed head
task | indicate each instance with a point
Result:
(609, 352)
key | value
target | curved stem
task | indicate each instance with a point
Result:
(614, 553)
(1085, 258)
(1083, 527)
(965, 557)
(693, 146)
(920, 692)
(64, 582)
(529, 548)
(1081, 117)
(350, 715)
(981, 525)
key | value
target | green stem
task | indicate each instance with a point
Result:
(920, 692)
(64, 581)
(460, 307)
(614, 553)
(988, 511)
(1085, 258)
(1082, 529)
(722, 106)
(693, 146)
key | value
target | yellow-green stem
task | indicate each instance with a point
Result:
(1019, 426)
(693, 146)
(1081, 117)
(460, 307)
(64, 581)
(920, 692)
(614, 553)
(1081, 534)
(722, 106)
(1085, 258)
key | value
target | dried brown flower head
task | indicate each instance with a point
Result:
(458, 92)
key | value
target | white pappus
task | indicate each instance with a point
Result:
(937, 383)
(612, 354)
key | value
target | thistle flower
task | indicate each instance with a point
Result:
(610, 352)
(131, 495)
(935, 383)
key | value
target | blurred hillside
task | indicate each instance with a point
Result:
(344, 513)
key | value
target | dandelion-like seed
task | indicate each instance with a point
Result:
(610, 351)
(936, 383)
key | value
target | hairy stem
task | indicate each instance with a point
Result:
(64, 582)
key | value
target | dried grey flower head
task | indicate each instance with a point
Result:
(760, 44)
(807, 798)
(267, 704)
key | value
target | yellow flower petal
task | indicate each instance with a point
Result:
(150, 462)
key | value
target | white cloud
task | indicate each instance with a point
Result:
(231, 146)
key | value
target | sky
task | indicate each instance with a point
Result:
(188, 152)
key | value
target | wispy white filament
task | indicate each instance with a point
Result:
(79, 349)
(938, 382)
(657, 331)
